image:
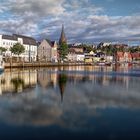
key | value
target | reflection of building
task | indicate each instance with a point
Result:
(47, 51)
(17, 81)
(7, 41)
(46, 79)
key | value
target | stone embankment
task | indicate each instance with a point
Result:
(39, 64)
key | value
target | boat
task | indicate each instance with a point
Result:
(104, 63)
(101, 63)
(1, 64)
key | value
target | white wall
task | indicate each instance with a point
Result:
(0, 40)
(9, 43)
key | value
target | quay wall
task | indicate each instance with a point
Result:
(40, 64)
(46, 64)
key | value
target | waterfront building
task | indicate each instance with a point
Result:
(124, 57)
(47, 51)
(135, 56)
(89, 57)
(75, 57)
(109, 58)
(7, 41)
(76, 54)
(77, 49)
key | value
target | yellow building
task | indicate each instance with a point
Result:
(89, 57)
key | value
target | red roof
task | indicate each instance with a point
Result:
(135, 55)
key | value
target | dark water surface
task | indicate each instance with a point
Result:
(70, 103)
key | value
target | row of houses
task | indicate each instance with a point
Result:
(7, 41)
(48, 51)
(45, 50)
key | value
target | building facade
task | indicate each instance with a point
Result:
(7, 41)
(47, 51)
(124, 57)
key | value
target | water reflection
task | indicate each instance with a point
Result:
(18, 84)
(16, 80)
(92, 101)
(62, 80)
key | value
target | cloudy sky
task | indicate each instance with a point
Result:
(86, 21)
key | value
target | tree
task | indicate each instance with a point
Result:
(134, 49)
(2, 49)
(63, 51)
(17, 49)
(87, 48)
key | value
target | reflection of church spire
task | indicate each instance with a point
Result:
(62, 79)
(62, 37)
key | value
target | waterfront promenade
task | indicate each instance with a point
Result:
(40, 64)
(49, 64)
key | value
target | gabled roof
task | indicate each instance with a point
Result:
(9, 37)
(26, 40)
(120, 54)
(135, 55)
(51, 43)
(129, 55)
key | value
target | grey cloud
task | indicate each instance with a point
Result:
(20, 26)
(36, 7)
(82, 21)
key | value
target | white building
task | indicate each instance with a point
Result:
(76, 57)
(7, 41)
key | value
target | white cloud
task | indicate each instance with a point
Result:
(83, 20)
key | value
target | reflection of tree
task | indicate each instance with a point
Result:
(116, 67)
(62, 80)
(17, 82)
(3, 81)
(85, 78)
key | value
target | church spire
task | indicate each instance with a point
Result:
(62, 37)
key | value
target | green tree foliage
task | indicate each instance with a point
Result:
(88, 48)
(2, 50)
(17, 49)
(134, 49)
(63, 51)
(17, 82)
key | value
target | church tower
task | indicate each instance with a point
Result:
(62, 37)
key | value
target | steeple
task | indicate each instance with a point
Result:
(62, 37)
